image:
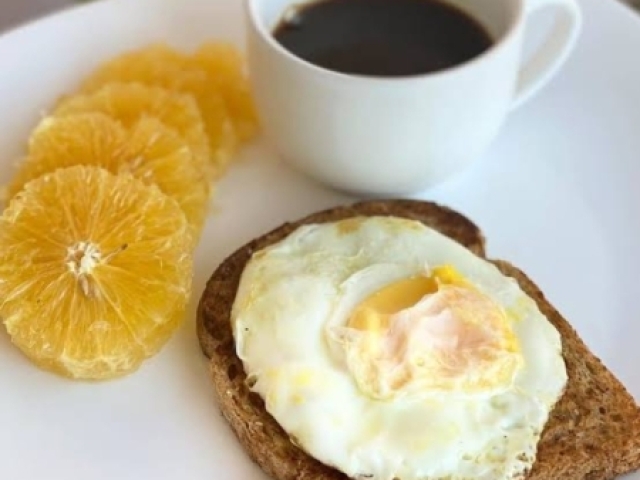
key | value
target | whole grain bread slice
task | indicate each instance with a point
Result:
(593, 432)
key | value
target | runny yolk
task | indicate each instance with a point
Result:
(434, 332)
(373, 313)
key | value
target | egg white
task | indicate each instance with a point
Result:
(293, 292)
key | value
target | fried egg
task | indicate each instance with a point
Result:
(390, 352)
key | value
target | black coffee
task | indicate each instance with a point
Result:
(382, 37)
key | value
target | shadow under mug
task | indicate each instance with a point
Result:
(396, 135)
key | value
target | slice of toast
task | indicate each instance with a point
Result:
(593, 432)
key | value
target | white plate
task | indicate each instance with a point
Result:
(558, 194)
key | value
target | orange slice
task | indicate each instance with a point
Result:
(128, 102)
(149, 151)
(225, 68)
(161, 66)
(95, 272)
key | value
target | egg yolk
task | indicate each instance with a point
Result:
(430, 333)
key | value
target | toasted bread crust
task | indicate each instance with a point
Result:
(593, 432)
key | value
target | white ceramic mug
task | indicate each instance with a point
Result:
(394, 135)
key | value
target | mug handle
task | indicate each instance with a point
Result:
(554, 50)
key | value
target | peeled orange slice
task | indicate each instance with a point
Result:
(155, 65)
(95, 272)
(128, 102)
(149, 151)
(225, 68)
(161, 66)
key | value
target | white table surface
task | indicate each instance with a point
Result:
(546, 175)
(14, 12)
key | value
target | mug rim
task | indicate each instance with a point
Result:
(267, 36)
